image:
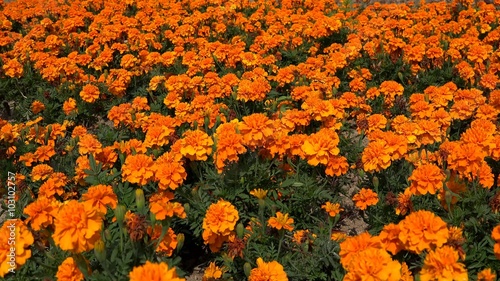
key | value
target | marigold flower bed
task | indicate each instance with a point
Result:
(141, 139)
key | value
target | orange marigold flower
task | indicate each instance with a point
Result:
(89, 93)
(167, 244)
(423, 230)
(372, 264)
(281, 221)
(88, 144)
(219, 223)
(332, 209)
(41, 212)
(24, 239)
(427, 178)
(138, 169)
(364, 198)
(69, 271)
(255, 129)
(77, 227)
(229, 145)
(154, 272)
(337, 166)
(352, 245)
(100, 197)
(13, 68)
(41, 172)
(389, 237)
(267, 271)
(486, 275)
(37, 107)
(69, 106)
(44, 152)
(54, 184)
(442, 264)
(376, 157)
(320, 147)
(162, 207)
(213, 272)
(196, 145)
(169, 171)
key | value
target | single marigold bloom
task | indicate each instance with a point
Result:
(13, 68)
(41, 212)
(77, 227)
(259, 193)
(372, 264)
(100, 197)
(213, 272)
(219, 223)
(169, 171)
(321, 146)
(255, 129)
(302, 236)
(88, 144)
(376, 157)
(136, 225)
(196, 145)
(423, 230)
(337, 166)
(338, 236)
(427, 178)
(52, 186)
(364, 198)
(162, 207)
(89, 93)
(281, 221)
(154, 272)
(229, 145)
(442, 264)
(69, 271)
(69, 106)
(332, 209)
(267, 271)
(37, 107)
(389, 237)
(167, 244)
(486, 275)
(352, 245)
(24, 239)
(41, 172)
(45, 152)
(138, 169)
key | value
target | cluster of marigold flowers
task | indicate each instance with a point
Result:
(108, 49)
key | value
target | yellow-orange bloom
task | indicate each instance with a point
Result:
(167, 244)
(352, 245)
(77, 227)
(69, 271)
(364, 198)
(372, 264)
(41, 212)
(281, 221)
(138, 169)
(423, 230)
(442, 264)
(196, 145)
(154, 272)
(486, 275)
(212, 272)
(69, 106)
(376, 157)
(100, 197)
(267, 271)
(332, 209)
(37, 107)
(89, 93)
(23, 240)
(320, 147)
(255, 129)
(219, 223)
(427, 178)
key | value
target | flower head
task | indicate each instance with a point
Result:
(281, 221)
(154, 272)
(364, 198)
(267, 271)
(68, 271)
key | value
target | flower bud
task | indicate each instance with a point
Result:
(100, 251)
(107, 235)
(375, 181)
(152, 217)
(187, 207)
(140, 201)
(120, 213)
(247, 268)
(240, 230)
(180, 241)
